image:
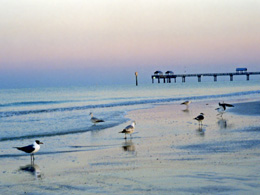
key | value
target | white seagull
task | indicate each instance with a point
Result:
(33, 148)
(186, 103)
(94, 119)
(129, 129)
(222, 108)
(200, 118)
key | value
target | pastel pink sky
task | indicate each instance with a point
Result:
(142, 35)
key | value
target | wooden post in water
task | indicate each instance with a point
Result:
(231, 77)
(136, 79)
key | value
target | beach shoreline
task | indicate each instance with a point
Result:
(169, 153)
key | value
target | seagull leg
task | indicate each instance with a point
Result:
(125, 136)
(32, 160)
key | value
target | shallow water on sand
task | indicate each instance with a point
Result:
(168, 154)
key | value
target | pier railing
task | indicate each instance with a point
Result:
(167, 78)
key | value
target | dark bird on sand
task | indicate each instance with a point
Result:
(33, 148)
(200, 118)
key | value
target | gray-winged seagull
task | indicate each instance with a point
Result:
(94, 119)
(186, 103)
(33, 148)
(129, 129)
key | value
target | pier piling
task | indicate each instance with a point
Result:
(215, 78)
(231, 77)
(183, 79)
(199, 78)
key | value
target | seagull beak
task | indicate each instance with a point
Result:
(40, 143)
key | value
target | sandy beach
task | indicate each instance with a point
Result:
(168, 154)
(63, 63)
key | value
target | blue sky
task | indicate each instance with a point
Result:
(68, 42)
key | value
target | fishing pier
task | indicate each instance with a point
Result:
(169, 75)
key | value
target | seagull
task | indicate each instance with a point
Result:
(186, 103)
(222, 108)
(200, 118)
(94, 119)
(33, 148)
(129, 129)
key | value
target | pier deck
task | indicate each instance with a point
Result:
(167, 77)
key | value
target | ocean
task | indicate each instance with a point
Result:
(168, 152)
(45, 112)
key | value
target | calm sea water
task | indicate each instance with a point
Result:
(37, 112)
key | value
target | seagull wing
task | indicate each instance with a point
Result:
(200, 117)
(27, 149)
(229, 105)
(186, 102)
(97, 120)
(225, 104)
(129, 128)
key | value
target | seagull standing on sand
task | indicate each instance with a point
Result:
(129, 129)
(33, 148)
(222, 108)
(186, 103)
(200, 118)
(94, 119)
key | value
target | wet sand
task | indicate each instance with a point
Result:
(168, 154)
(247, 108)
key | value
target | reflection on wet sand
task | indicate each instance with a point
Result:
(201, 131)
(222, 123)
(128, 146)
(34, 169)
(186, 110)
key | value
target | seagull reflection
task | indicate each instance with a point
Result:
(128, 146)
(34, 169)
(186, 110)
(222, 123)
(201, 131)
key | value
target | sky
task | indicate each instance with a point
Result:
(46, 43)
